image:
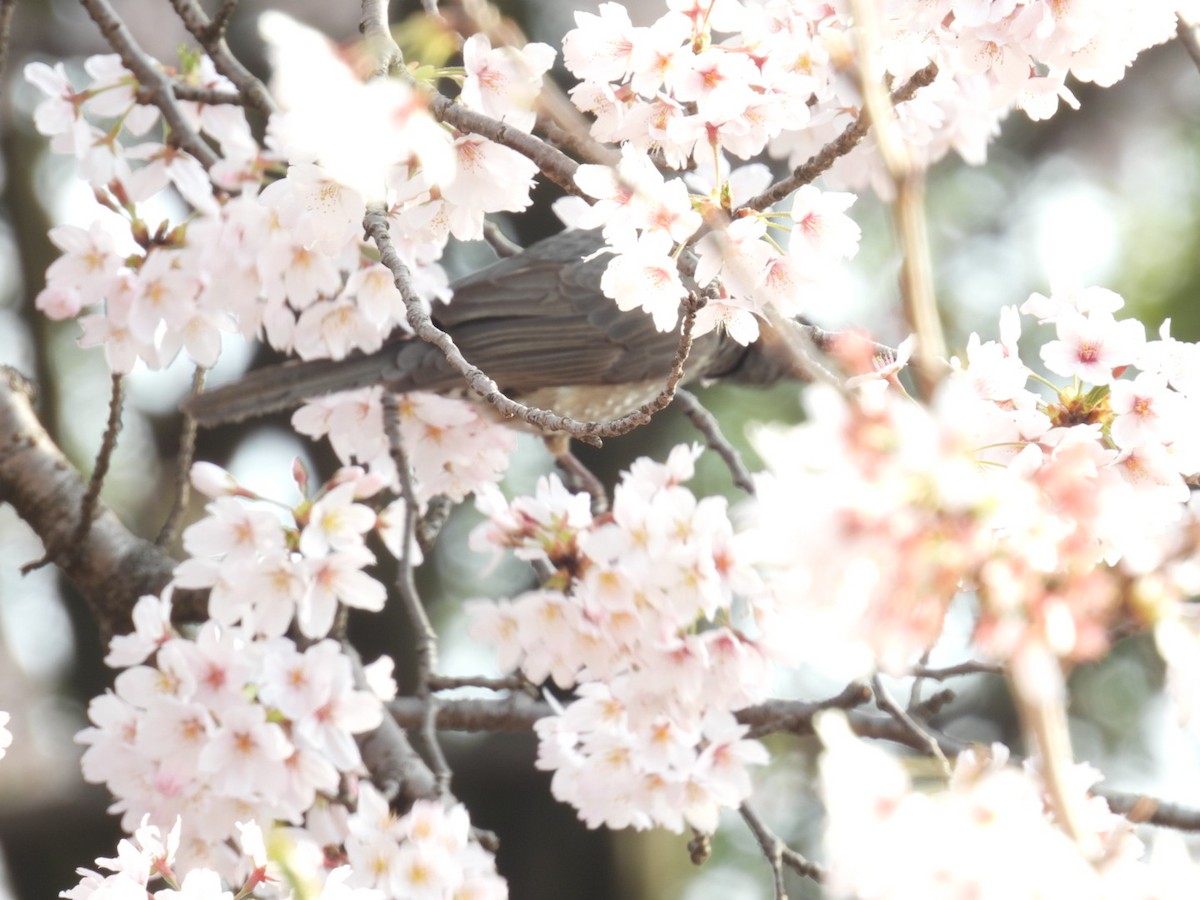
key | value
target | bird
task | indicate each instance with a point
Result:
(539, 325)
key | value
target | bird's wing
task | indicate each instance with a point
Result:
(540, 319)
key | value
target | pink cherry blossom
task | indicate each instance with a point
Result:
(1091, 347)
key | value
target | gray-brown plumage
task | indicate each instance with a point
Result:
(538, 324)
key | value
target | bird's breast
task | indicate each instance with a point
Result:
(585, 403)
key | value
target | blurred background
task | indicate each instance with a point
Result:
(1106, 195)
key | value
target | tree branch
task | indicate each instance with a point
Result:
(425, 637)
(778, 853)
(183, 468)
(111, 567)
(160, 86)
(377, 35)
(706, 423)
(482, 385)
(838, 147)
(210, 34)
(552, 162)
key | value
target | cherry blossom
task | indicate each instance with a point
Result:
(644, 276)
(504, 82)
(1059, 504)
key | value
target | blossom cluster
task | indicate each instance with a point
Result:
(292, 263)
(237, 722)
(427, 852)
(282, 224)
(639, 616)
(220, 728)
(265, 575)
(711, 78)
(452, 449)
(1063, 509)
(646, 218)
(989, 833)
(149, 857)
(724, 76)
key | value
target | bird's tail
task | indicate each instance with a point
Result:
(279, 388)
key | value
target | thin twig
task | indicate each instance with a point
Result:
(437, 512)
(558, 118)
(187, 451)
(914, 693)
(482, 385)
(552, 162)
(885, 702)
(426, 639)
(839, 146)
(91, 499)
(116, 400)
(771, 846)
(778, 853)
(924, 710)
(144, 68)
(706, 423)
(1187, 36)
(220, 19)
(971, 667)
(210, 34)
(196, 94)
(395, 766)
(499, 241)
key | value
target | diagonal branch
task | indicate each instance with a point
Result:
(210, 34)
(839, 146)
(778, 853)
(153, 79)
(706, 423)
(553, 163)
(111, 567)
(376, 226)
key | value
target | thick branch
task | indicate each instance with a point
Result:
(518, 712)
(377, 35)
(110, 567)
